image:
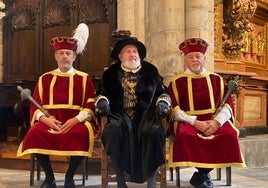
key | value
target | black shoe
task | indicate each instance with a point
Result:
(197, 179)
(48, 184)
(69, 183)
(208, 182)
(121, 184)
(200, 180)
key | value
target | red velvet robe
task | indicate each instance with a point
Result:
(64, 95)
(200, 95)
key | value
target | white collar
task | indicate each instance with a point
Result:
(69, 71)
(133, 71)
(187, 71)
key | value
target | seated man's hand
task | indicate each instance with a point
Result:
(51, 122)
(68, 125)
(208, 128)
(162, 109)
(102, 107)
(213, 127)
(201, 126)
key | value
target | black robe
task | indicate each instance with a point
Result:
(137, 143)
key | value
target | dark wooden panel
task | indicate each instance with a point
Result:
(22, 56)
(30, 25)
(97, 55)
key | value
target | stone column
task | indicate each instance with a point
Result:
(130, 16)
(199, 21)
(163, 24)
(164, 29)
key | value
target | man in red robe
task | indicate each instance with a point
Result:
(68, 127)
(201, 138)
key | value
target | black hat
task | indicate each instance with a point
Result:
(127, 41)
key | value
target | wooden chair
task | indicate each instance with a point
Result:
(106, 177)
(22, 109)
(218, 176)
(228, 175)
(34, 165)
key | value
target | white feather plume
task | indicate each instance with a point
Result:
(81, 35)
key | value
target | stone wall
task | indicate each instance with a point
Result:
(255, 150)
(163, 24)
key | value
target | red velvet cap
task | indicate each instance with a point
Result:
(193, 45)
(67, 43)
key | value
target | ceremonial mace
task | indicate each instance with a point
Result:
(232, 87)
(26, 94)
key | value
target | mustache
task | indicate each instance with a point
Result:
(133, 58)
(195, 63)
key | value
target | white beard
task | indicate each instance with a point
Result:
(131, 65)
(197, 69)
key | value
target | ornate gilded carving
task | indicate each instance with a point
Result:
(119, 35)
(57, 13)
(23, 18)
(254, 48)
(2, 9)
(218, 31)
(236, 15)
(93, 11)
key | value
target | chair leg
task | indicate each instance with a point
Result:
(86, 168)
(84, 173)
(163, 182)
(171, 173)
(218, 173)
(104, 168)
(32, 170)
(38, 171)
(178, 179)
(104, 159)
(228, 176)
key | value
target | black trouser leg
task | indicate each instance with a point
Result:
(44, 162)
(204, 170)
(120, 177)
(151, 182)
(74, 163)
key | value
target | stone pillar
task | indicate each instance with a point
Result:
(199, 21)
(130, 16)
(163, 24)
(164, 29)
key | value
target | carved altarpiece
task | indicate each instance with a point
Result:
(241, 49)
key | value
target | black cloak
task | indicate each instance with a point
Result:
(137, 143)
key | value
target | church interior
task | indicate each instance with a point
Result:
(240, 51)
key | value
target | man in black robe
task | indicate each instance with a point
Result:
(135, 100)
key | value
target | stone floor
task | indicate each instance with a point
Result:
(255, 150)
(241, 178)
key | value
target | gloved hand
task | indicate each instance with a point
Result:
(102, 107)
(162, 109)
